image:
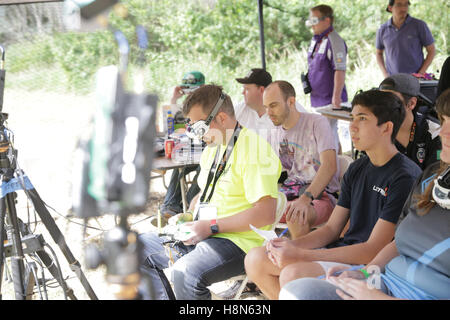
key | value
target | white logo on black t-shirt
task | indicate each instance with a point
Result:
(380, 190)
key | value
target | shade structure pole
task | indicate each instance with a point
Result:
(261, 33)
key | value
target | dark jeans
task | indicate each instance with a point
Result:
(196, 267)
(173, 202)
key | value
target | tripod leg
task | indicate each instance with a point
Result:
(49, 263)
(59, 239)
(2, 238)
(17, 265)
(30, 281)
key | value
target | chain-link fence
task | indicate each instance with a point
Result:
(45, 113)
(26, 33)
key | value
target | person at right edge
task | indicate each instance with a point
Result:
(327, 63)
(416, 264)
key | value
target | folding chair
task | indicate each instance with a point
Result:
(343, 162)
(281, 206)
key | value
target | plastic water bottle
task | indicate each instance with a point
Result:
(170, 123)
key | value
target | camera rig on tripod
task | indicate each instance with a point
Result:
(115, 165)
(20, 240)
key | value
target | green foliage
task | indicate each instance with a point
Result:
(25, 55)
(356, 21)
(220, 38)
(80, 55)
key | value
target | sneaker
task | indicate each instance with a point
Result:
(230, 293)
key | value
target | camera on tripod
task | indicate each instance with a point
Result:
(114, 168)
(116, 160)
(16, 240)
(8, 155)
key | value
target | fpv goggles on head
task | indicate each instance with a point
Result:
(198, 129)
(441, 189)
(312, 21)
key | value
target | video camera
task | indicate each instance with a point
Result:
(117, 159)
(8, 155)
(114, 163)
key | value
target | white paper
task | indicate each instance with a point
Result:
(180, 231)
(266, 234)
(207, 212)
(184, 233)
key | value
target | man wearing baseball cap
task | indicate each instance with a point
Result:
(172, 203)
(418, 137)
(191, 81)
(251, 112)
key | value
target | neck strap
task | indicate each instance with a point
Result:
(215, 173)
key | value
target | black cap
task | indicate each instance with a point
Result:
(403, 83)
(256, 76)
(391, 3)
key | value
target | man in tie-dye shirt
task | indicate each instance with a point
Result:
(306, 148)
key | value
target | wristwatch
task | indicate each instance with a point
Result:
(309, 195)
(214, 227)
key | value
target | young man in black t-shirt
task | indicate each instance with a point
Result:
(373, 192)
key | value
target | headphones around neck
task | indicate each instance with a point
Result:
(198, 129)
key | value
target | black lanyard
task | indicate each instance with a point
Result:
(413, 132)
(215, 173)
(410, 146)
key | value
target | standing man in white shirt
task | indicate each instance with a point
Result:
(251, 112)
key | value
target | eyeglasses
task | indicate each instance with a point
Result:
(312, 21)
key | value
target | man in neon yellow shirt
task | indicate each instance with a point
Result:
(238, 182)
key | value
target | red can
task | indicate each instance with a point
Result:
(168, 148)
